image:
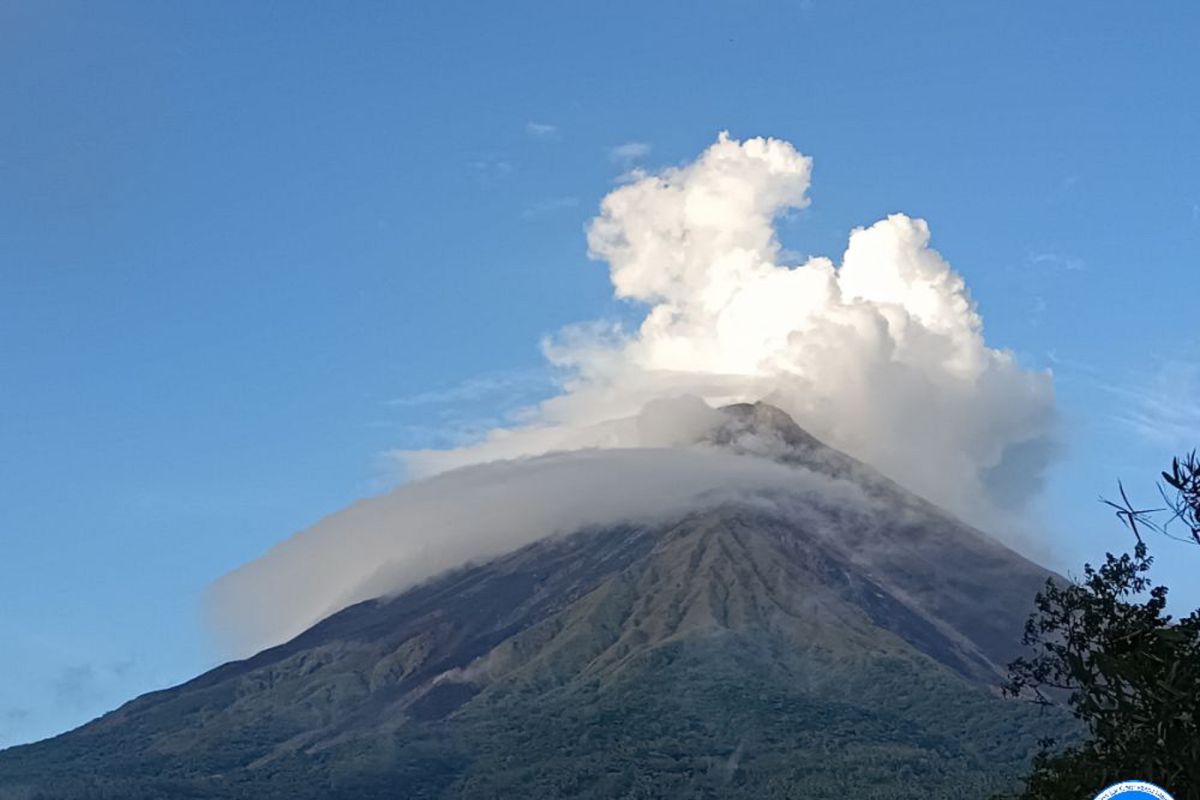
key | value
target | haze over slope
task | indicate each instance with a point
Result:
(385, 544)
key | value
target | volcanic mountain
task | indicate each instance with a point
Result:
(773, 646)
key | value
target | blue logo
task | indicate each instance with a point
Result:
(1134, 790)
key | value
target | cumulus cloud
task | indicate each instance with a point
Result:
(386, 544)
(881, 354)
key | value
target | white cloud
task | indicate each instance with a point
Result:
(1058, 261)
(628, 152)
(882, 355)
(461, 413)
(478, 387)
(1162, 407)
(491, 168)
(541, 130)
(388, 543)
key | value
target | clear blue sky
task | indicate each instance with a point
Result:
(232, 234)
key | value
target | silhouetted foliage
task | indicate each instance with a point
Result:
(1184, 480)
(1127, 669)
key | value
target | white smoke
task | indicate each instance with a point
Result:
(882, 356)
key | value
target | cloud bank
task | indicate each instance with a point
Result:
(881, 355)
(386, 544)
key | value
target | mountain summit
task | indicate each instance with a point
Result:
(777, 645)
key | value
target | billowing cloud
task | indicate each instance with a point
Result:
(881, 355)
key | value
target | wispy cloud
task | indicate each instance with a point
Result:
(541, 130)
(1164, 407)
(548, 206)
(455, 415)
(625, 154)
(490, 168)
(1058, 261)
(479, 387)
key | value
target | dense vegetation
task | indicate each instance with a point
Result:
(1128, 670)
(698, 721)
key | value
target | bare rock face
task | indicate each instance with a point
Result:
(789, 648)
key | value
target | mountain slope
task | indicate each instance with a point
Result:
(754, 649)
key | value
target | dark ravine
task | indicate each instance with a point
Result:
(750, 650)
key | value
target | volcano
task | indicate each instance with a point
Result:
(774, 646)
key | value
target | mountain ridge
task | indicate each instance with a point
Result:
(811, 607)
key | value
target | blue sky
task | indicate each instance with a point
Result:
(245, 249)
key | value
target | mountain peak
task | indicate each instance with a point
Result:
(762, 428)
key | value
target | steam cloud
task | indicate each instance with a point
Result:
(882, 356)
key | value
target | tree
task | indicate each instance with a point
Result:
(1129, 671)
